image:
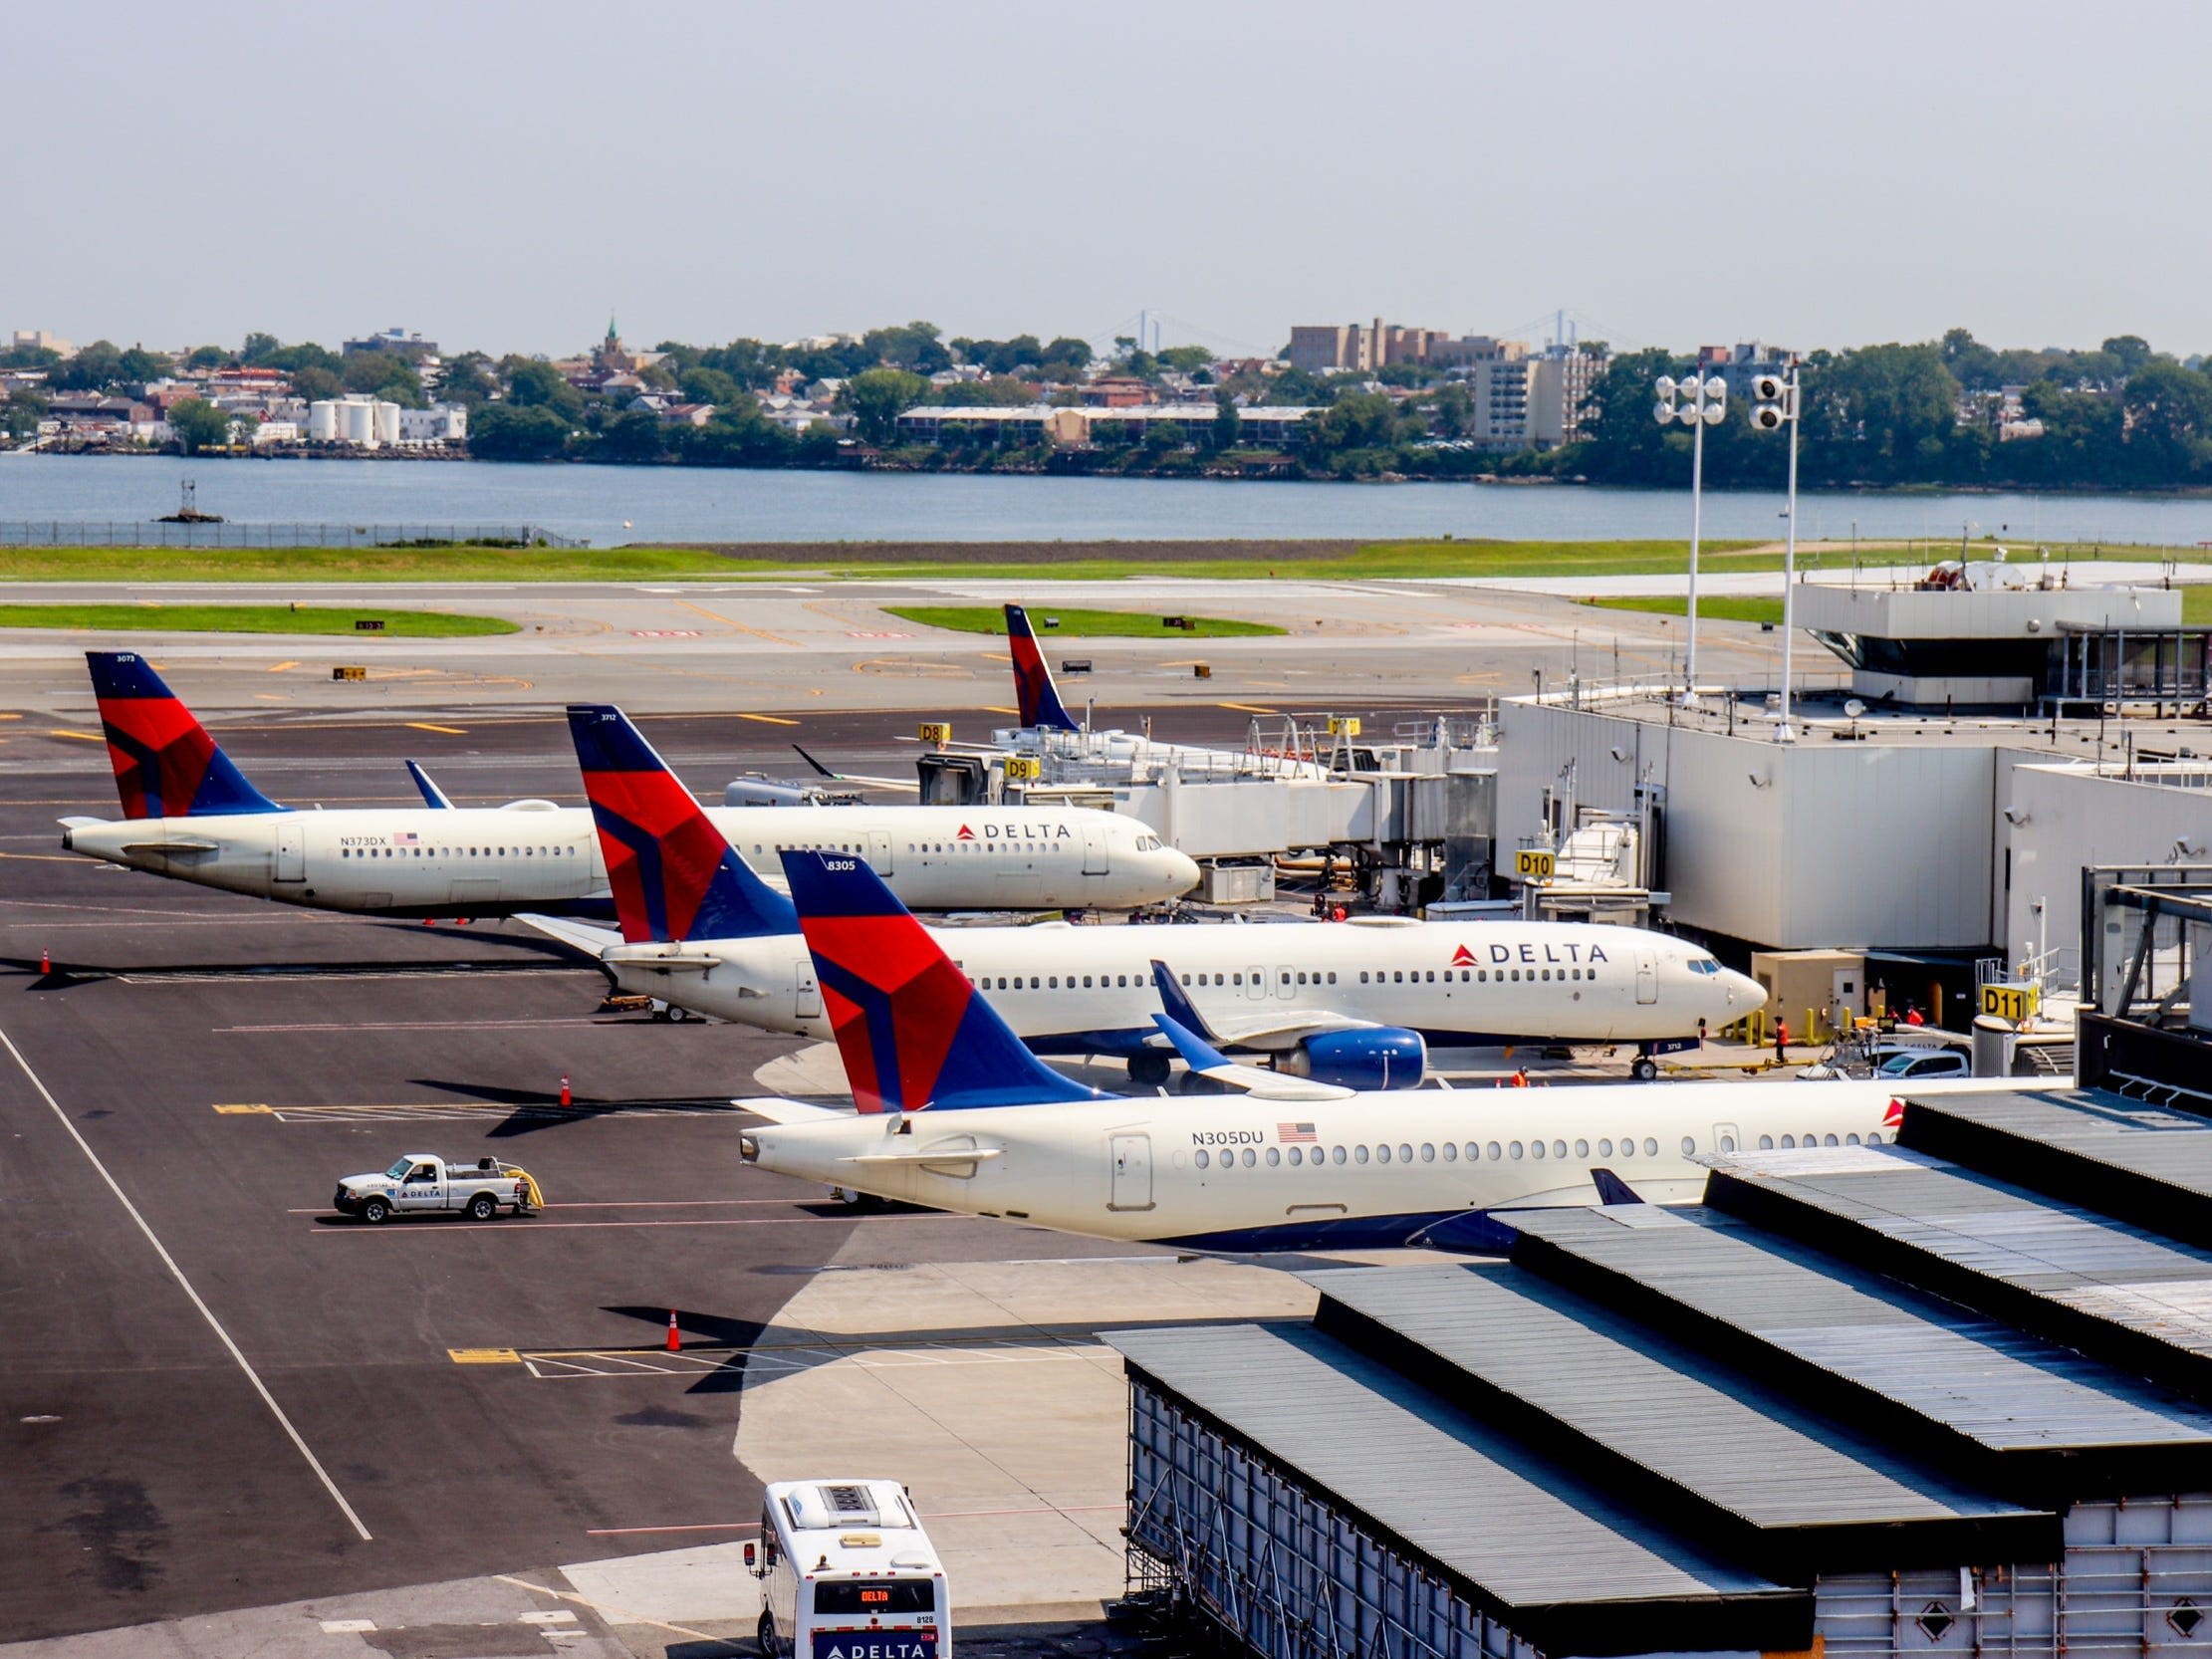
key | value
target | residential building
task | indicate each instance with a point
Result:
(1117, 391)
(1531, 399)
(1263, 426)
(1325, 348)
(440, 424)
(38, 340)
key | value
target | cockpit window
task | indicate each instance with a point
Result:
(1703, 964)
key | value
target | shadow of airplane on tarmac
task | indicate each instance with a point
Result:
(534, 1109)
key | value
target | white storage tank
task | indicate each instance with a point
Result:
(388, 422)
(322, 421)
(356, 422)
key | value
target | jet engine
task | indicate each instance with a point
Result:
(1378, 1056)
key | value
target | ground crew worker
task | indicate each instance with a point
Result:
(1781, 1041)
(1912, 1015)
(1521, 1077)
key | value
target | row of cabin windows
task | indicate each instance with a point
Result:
(1474, 976)
(1302, 977)
(456, 852)
(761, 850)
(1477, 1151)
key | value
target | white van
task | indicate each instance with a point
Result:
(847, 1573)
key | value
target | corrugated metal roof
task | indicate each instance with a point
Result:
(1523, 1539)
(1737, 1464)
(2037, 1417)
(2122, 1157)
(2117, 1291)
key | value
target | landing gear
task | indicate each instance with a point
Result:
(1148, 1069)
(1644, 1069)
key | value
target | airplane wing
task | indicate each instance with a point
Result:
(1255, 1080)
(1265, 1030)
(909, 785)
(582, 936)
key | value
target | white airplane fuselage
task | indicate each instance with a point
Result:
(1067, 990)
(1233, 1172)
(484, 861)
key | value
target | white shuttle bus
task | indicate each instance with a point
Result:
(847, 1573)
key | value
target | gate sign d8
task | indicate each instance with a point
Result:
(1533, 865)
(2015, 1003)
(938, 732)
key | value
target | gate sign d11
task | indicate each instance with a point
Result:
(2016, 1003)
(1533, 865)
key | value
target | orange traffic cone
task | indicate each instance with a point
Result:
(45, 965)
(675, 1341)
(565, 1099)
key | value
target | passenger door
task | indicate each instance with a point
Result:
(1132, 1172)
(809, 1003)
(1648, 978)
(880, 852)
(1094, 851)
(422, 1189)
(291, 849)
(1255, 983)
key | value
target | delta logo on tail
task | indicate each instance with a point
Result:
(911, 1029)
(165, 764)
(672, 874)
(1895, 1115)
(1035, 696)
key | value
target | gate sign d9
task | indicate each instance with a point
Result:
(2015, 1003)
(1022, 769)
(1532, 865)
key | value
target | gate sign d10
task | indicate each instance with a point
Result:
(1022, 769)
(1533, 865)
(938, 732)
(2016, 1003)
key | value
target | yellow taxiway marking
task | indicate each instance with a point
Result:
(234, 1109)
(993, 708)
(1247, 708)
(280, 667)
(10, 717)
(45, 857)
(82, 737)
(732, 622)
(426, 726)
(769, 719)
(484, 1357)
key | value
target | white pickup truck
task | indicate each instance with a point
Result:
(424, 1182)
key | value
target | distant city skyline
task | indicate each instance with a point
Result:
(499, 176)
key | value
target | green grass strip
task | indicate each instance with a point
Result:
(1080, 624)
(250, 618)
(1726, 608)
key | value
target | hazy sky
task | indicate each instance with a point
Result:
(499, 173)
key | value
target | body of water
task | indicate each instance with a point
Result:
(612, 505)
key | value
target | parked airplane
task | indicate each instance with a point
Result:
(1356, 1003)
(189, 812)
(956, 1115)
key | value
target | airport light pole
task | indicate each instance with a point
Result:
(1696, 403)
(1775, 403)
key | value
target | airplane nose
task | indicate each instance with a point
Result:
(1744, 992)
(1183, 868)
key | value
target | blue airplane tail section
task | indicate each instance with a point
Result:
(165, 764)
(911, 1029)
(673, 875)
(1034, 695)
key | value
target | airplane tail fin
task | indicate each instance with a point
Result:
(1034, 692)
(673, 875)
(166, 765)
(914, 1032)
(1611, 1189)
(432, 797)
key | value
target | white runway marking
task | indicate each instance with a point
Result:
(216, 1326)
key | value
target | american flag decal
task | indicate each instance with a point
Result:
(405, 838)
(1294, 1134)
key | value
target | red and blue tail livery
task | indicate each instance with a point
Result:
(166, 765)
(673, 875)
(1033, 694)
(914, 1032)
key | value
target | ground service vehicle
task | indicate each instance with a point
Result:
(847, 1573)
(422, 1182)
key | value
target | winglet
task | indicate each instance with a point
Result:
(165, 764)
(432, 796)
(673, 875)
(1034, 695)
(1611, 1189)
(911, 1029)
(1199, 1054)
(817, 765)
(1176, 1001)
